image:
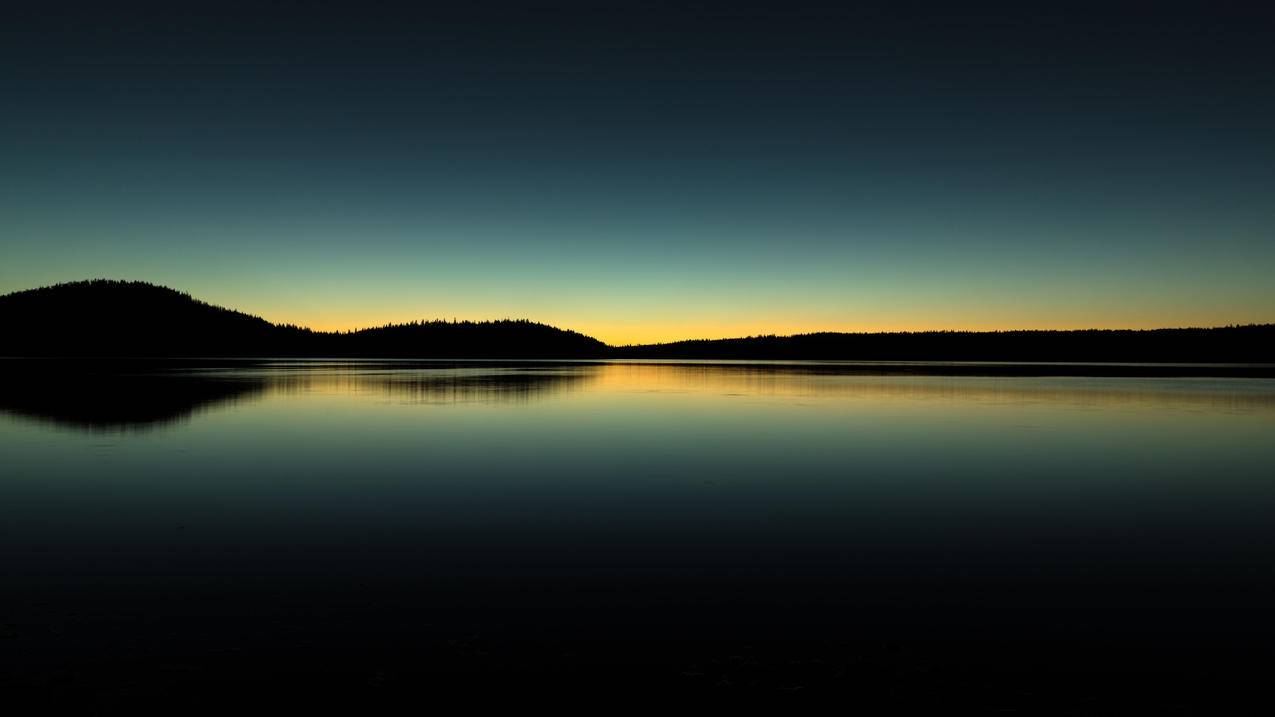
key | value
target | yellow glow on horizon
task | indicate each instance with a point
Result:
(626, 317)
(620, 334)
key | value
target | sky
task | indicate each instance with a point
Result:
(647, 171)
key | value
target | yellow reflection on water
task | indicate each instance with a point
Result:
(618, 380)
(841, 382)
(770, 391)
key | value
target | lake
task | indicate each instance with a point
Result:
(379, 530)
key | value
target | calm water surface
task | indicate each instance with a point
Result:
(703, 525)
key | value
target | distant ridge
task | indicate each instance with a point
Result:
(1229, 344)
(108, 318)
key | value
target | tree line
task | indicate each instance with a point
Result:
(107, 318)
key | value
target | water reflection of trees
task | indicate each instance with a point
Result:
(133, 397)
(122, 397)
(433, 384)
(109, 402)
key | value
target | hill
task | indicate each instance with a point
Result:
(128, 318)
(104, 318)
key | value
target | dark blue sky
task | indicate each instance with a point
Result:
(651, 170)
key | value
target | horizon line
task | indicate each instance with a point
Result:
(775, 334)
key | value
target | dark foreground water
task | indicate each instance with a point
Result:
(314, 532)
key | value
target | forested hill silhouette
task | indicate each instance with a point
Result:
(1251, 343)
(105, 318)
(128, 318)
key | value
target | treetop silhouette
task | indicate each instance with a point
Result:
(108, 318)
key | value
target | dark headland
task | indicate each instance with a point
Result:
(117, 319)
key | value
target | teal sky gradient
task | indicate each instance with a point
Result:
(758, 178)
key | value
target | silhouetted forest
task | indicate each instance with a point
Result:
(1230, 344)
(104, 318)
